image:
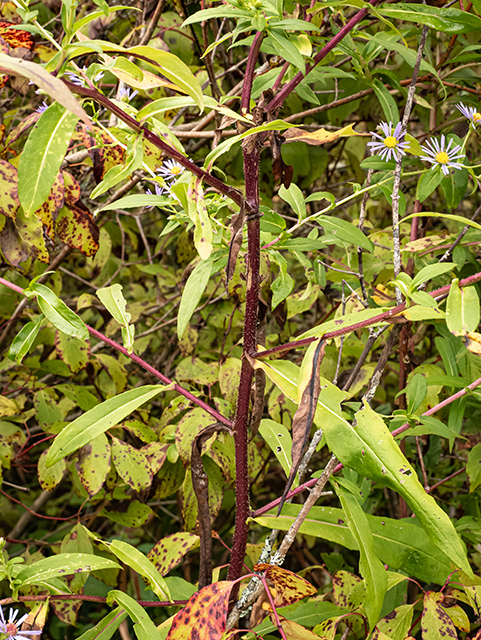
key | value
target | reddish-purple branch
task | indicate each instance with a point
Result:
(145, 365)
(249, 75)
(290, 86)
(382, 317)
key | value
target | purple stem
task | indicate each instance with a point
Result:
(290, 86)
(249, 75)
(145, 365)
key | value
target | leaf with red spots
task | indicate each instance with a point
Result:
(22, 126)
(169, 551)
(72, 191)
(4, 48)
(9, 201)
(435, 622)
(77, 229)
(131, 465)
(294, 630)
(15, 37)
(205, 614)
(289, 586)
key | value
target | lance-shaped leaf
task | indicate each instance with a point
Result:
(63, 564)
(99, 419)
(143, 626)
(197, 212)
(24, 339)
(106, 628)
(193, 290)
(169, 551)
(134, 558)
(370, 449)
(462, 309)
(402, 544)
(51, 85)
(113, 300)
(371, 568)
(42, 156)
(57, 311)
(204, 616)
(321, 136)
(9, 202)
(308, 389)
(279, 440)
(395, 625)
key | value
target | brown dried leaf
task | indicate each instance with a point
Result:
(205, 614)
(289, 586)
(321, 136)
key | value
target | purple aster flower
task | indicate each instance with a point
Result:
(389, 144)
(159, 191)
(75, 79)
(442, 155)
(171, 170)
(43, 107)
(125, 95)
(12, 626)
(470, 113)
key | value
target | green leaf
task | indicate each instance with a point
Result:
(223, 147)
(175, 70)
(137, 200)
(63, 564)
(448, 20)
(57, 311)
(402, 544)
(279, 440)
(52, 86)
(416, 392)
(24, 339)
(321, 195)
(432, 271)
(168, 552)
(346, 231)
(225, 11)
(106, 628)
(435, 622)
(42, 156)
(50, 477)
(134, 558)
(143, 626)
(120, 172)
(283, 284)
(428, 182)
(286, 49)
(447, 216)
(370, 449)
(113, 300)
(387, 102)
(473, 468)
(462, 309)
(93, 464)
(193, 291)
(371, 568)
(454, 185)
(99, 419)
(348, 320)
(131, 465)
(294, 197)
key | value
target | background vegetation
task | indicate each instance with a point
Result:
(220, 307)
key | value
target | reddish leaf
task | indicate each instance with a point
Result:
(15, 37)
(72, 189)
(205, 614)
(289, 586)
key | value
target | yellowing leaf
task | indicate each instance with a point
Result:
(205, 614)
(472, 342)
(149, 80)
(289, 587)
(321, 136)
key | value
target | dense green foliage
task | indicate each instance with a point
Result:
(182, 188)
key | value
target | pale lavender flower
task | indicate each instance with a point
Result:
(470, 113)
(437, 153)
(12, 626)
(43, 107)
(75, 79)
(125, 95)
(389, 144)
(159, 191)
(171, 170)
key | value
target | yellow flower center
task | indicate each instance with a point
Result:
(176, 170)
(442, 157)
(390, 142)
(476, 117)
